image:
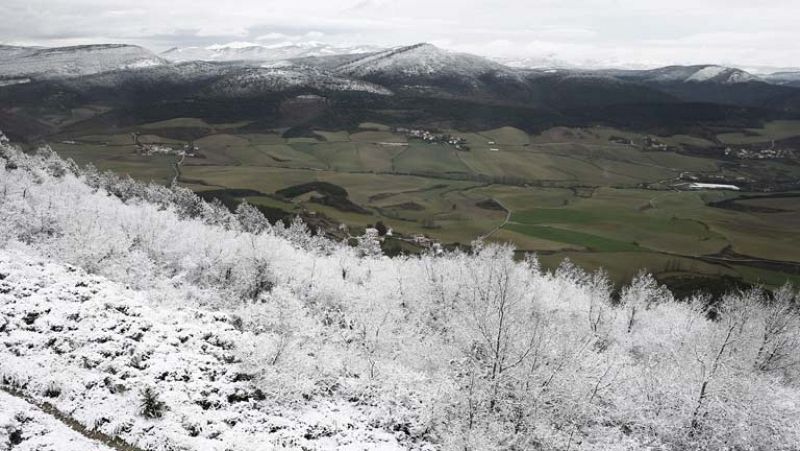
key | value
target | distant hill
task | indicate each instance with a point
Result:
(711, 84)
(784, 78)
(688, 74)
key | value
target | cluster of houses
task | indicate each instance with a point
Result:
(648, 143)
(433, 138)
(427, 242)
(621, 140)
(651, 143)
(189, 149)
(761, 154)
(374, 235)
(150, 149)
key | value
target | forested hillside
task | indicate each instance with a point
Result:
(144, 313)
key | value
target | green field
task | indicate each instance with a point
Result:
(576, 193)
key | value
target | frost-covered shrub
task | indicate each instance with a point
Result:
(150, 405)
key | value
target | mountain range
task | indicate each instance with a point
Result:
(260, 53)
(418, 83)
(36, 62)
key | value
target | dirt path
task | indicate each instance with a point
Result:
(503, 224)
(112, 442)
(177, 168)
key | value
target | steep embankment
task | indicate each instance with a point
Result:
(89, 347)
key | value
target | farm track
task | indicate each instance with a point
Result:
(729, 257)
(382, 196)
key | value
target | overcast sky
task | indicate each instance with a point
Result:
(747, 33)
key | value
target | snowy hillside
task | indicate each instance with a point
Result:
(142, 312)
(261, 53)
(19, 62)
(255, 81)
(90, 347)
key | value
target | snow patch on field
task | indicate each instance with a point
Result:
(713, 186)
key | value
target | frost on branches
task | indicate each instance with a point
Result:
(144, 313)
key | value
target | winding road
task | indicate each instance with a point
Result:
(177, 168)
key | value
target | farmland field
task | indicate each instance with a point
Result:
(587, 194)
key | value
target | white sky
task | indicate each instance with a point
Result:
(748, 33)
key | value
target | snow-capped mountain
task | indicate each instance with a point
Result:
(34, 62)
(693, 74)
(724, 75)
(213, 80)
(426, 70)
(261, 53)
(420, 60)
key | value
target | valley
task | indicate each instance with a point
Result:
(599, 196)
